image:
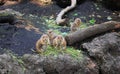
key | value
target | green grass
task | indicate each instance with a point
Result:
(72, 52)
(50, 21)
(4, 14)
(92, 21)
(19, 60)
(50, 51)
(83, 25)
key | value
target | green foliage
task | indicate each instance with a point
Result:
(50, 51)
(75, 54)
(57, 32)
(75, 14)
(20, 61)
(50, 22)
(60, 33)
(83, 25)
(92, 21)
(4, 14)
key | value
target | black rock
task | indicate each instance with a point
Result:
(111, 4)
(65, 3)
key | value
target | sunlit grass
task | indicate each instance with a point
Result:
(92, 21)
(15, 57)
(50, 22)
(4, 14)
(75, 54)
(50, 51)
(83, 25)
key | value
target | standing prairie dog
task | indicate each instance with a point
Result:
(59, 42)
(42, 43)
(51, 35)
(75, 25)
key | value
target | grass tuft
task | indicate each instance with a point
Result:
(73, 52)
(50, 22)
(76, 54)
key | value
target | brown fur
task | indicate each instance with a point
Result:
(42, 43)
(59, 42)
(75, 25)
(51, 35)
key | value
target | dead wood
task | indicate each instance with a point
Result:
(81, 35)
(59, 19)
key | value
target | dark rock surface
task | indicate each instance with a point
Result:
(36, 64)
(9, 65)
(105, 50)
(62, 64)
(65, 3)
(104, 58)
(111, 4)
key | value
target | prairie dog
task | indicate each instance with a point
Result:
(59, 42)
(51, 35)
(75, 25)
(42, 43)
(45, 2)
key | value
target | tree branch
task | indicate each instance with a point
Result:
(59, 19)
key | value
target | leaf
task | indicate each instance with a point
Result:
(75, 14)
(92, 21)
(109, 18)
(98, 8)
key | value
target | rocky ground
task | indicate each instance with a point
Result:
(105, 50)
(36, 17)
(100, 54)
(104, 58)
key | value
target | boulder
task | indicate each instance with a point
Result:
(105, 50)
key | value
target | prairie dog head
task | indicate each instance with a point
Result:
(59, 42)
(78, 21)
(60, 38)
(50, 32)
(45, 38)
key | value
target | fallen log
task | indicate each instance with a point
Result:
(81, 35)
